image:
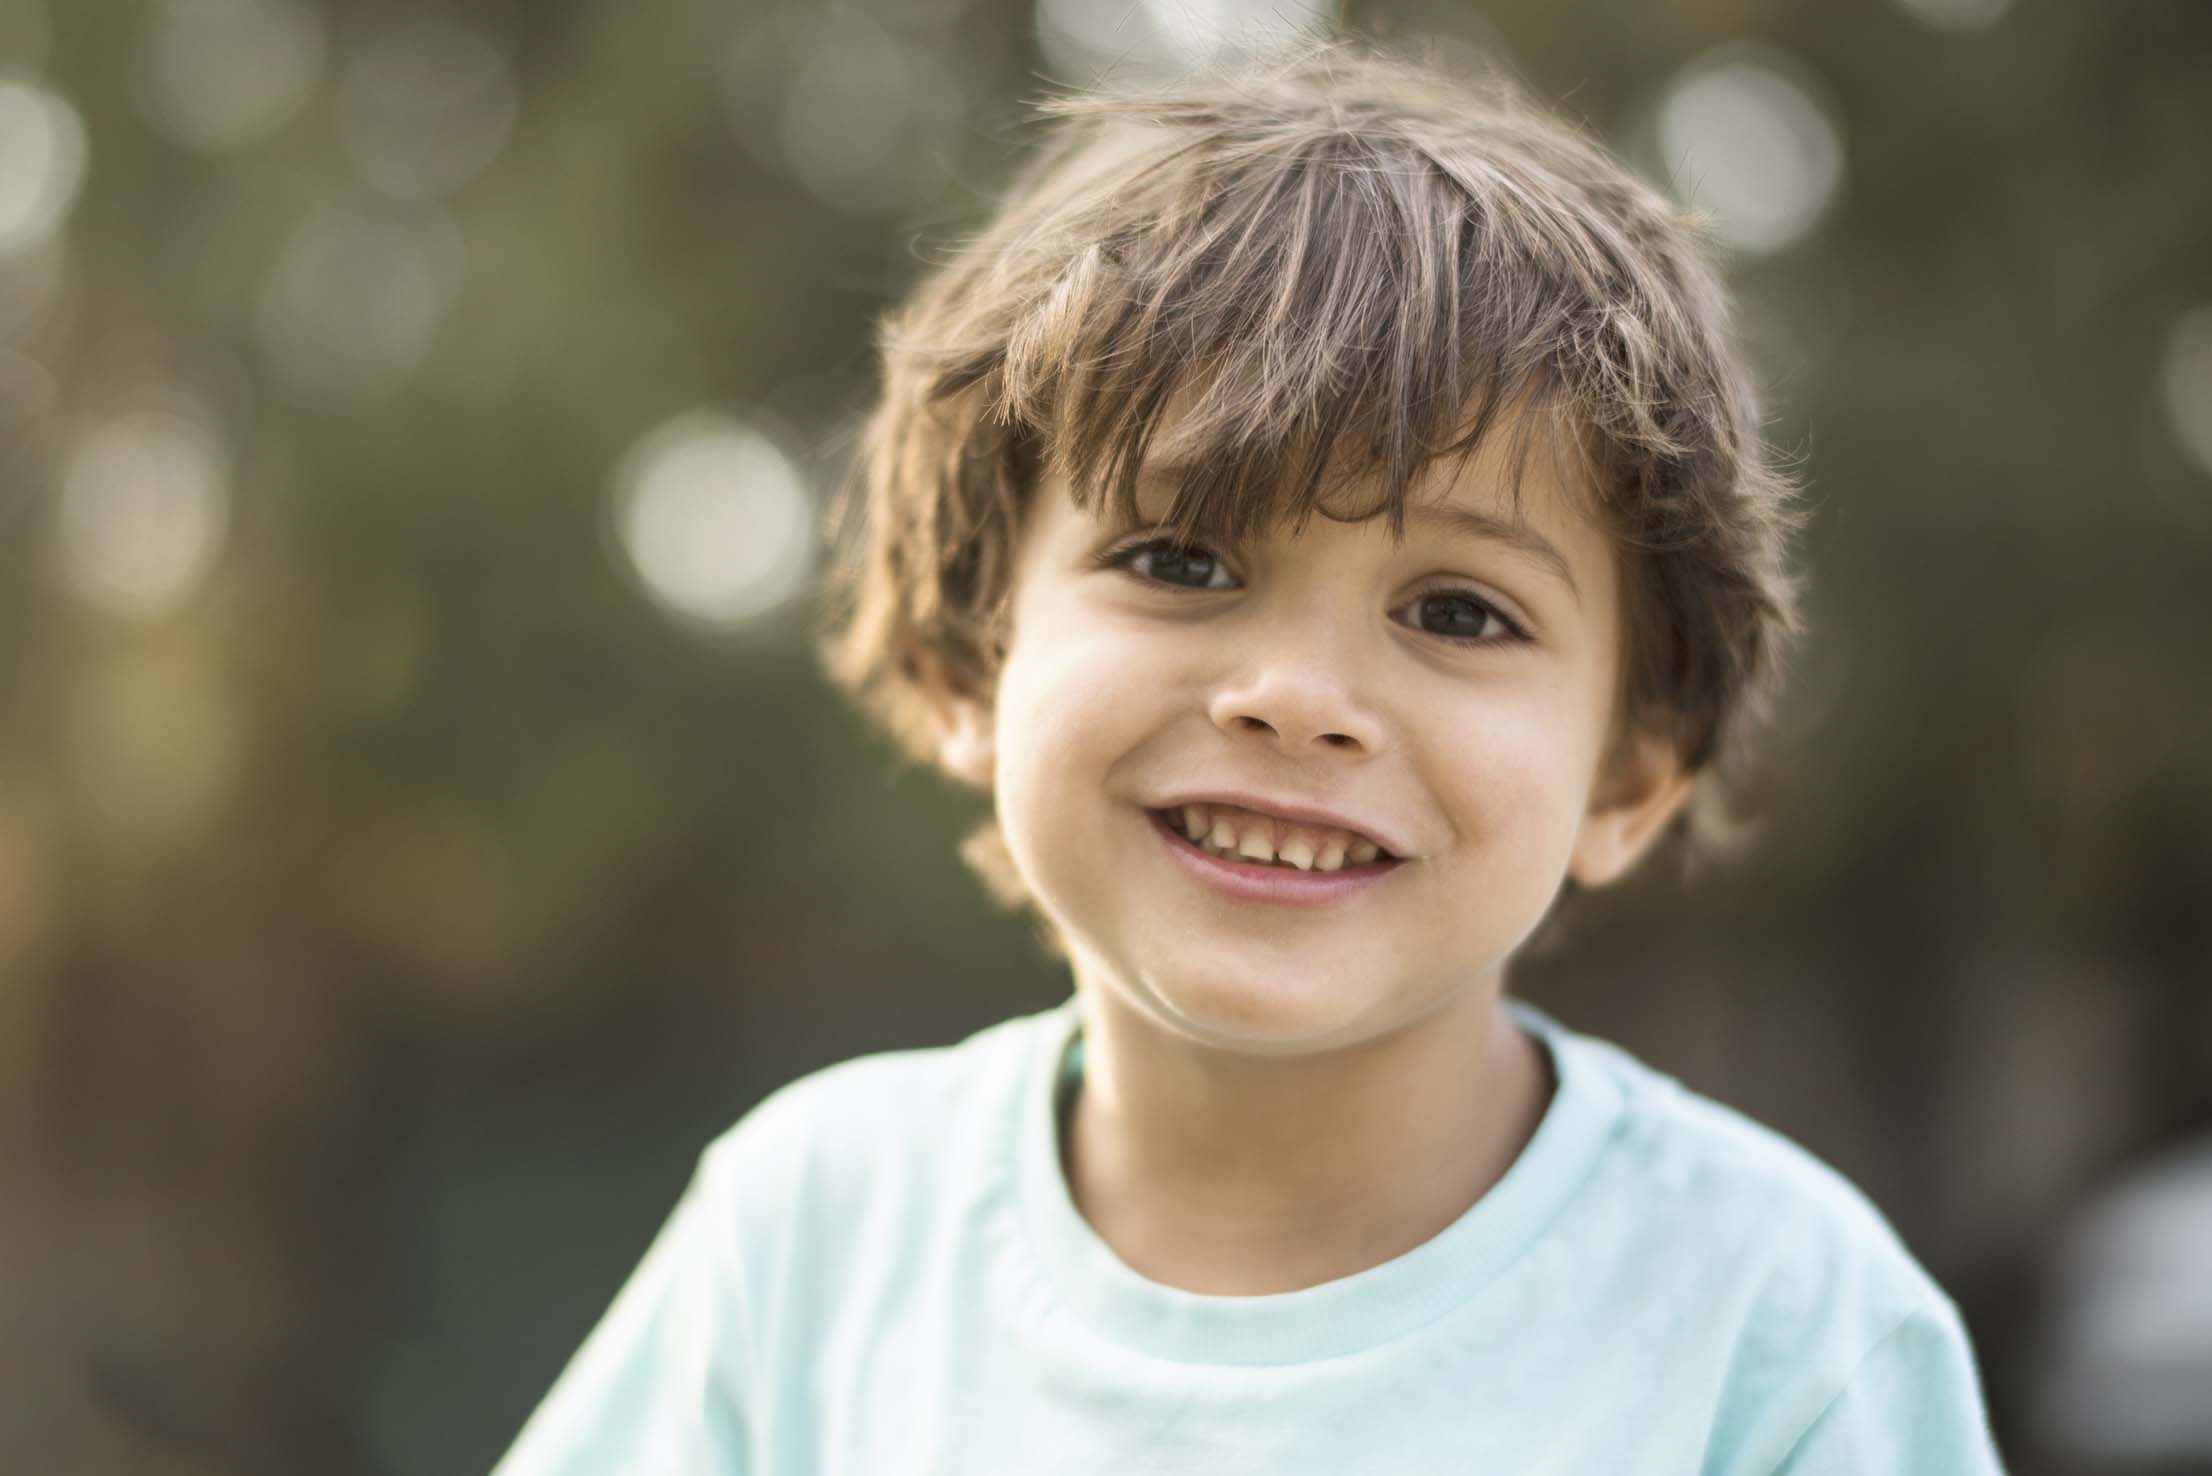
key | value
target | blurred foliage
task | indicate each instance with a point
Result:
(387, 919)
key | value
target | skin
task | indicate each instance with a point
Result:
(1277, 1096)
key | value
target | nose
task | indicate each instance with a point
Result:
(1298, 703)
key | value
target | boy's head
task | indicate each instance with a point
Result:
(1282, 325)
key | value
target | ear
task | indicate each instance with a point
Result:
(1643, 787)
(967, 741)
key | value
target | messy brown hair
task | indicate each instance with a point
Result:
(1335, 269)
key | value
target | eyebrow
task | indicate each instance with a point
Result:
(1519, 537)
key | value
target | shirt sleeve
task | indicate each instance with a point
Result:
(1913, 1407)
(657, 1386)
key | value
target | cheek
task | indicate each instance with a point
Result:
(1072, 703)
(1513, 812)
(1514, 777)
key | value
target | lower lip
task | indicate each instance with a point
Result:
(1251, 882)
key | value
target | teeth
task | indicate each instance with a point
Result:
(1228, 832)
(1257, 844)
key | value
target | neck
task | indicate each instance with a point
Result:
(1241, 1175)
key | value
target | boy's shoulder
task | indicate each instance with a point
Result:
(1699, 1229)
(878, 1122)
(1754, 1220)
(1686, 1147)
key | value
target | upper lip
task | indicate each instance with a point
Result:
(1291, 810)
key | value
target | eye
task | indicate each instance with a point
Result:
(1451, 613)
(1164, 561)
(1463, 616)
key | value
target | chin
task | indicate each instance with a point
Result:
(1263, 1015)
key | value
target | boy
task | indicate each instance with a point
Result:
(1323, 512)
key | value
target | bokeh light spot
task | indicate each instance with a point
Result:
(424, 108)
(1079, 37)
(2188, 383)
(1084, 38)
(42, 162)
(871, 121)
(716, 521)
(144, 503)
(356, 298)
(223, 74)
(1198, 31)
(1743, 136)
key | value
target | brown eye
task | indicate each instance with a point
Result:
(1183, 565)
(1461, 616)
(1455, 615)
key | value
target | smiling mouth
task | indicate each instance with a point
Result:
(1262, 841)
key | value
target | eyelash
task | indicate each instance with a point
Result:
(1122, 557)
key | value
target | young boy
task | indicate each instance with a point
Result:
(1323, 511)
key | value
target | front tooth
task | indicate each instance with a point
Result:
(1194, 822)
(1332, 854)
(1361, 852)
(1224, 835)
(1258, 844)
(1298, 852)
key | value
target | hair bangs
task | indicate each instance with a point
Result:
(1258, 328)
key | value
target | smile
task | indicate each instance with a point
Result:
(1301, 867)
(1235, 833)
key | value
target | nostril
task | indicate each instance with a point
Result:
(1340, 740)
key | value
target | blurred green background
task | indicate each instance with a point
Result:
(422, 826)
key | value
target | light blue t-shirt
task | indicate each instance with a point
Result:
(880, 1269)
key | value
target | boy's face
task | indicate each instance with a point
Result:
(1448, 698)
